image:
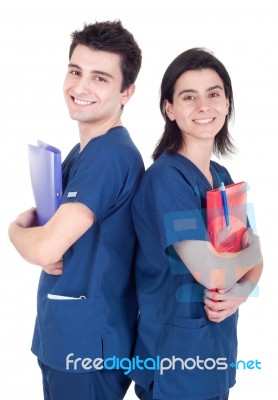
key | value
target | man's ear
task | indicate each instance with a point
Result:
(168, 109)
(127, 93)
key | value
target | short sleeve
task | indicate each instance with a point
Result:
(100, 179)
(178, 208)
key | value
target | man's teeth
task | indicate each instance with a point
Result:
(203, 121)
(82, 102)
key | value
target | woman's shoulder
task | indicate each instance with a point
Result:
(217, 166)
(170, 168)
(221, 172)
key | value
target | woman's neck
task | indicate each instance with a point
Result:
(200, 156)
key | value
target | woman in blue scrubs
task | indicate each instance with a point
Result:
(189, 330)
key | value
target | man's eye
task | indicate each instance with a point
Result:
(188, 98)
(214, 95)
(74, 73)
(100, 79)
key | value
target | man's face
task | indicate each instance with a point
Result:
(92, 85)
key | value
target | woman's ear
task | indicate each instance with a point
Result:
(227, 107)
(168, 109)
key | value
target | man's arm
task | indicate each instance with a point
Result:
(218, 270)
(46, 245)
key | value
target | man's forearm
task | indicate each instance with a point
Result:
(28, 243)
(47, 244)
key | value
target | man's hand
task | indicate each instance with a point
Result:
(54, 269)
(221, 304)
(27, 219)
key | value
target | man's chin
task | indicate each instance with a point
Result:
(79, 118)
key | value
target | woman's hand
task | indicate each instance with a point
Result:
(223, 303)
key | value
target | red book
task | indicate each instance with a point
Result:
(222, 236)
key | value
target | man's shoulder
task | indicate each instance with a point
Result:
(115, 139)
(118, 144)
(113, 151)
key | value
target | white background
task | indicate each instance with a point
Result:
(34, 42)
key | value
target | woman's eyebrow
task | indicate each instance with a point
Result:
(195, 91)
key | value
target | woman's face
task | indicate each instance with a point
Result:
(199, 105)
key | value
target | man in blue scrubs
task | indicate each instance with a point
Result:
(188, 330)
(87, 306)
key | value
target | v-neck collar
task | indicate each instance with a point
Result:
(198, 172)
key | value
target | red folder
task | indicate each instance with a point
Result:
(225, 238)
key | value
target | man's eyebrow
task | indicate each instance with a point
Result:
(195, 91)
(94, 71)
(74, 66)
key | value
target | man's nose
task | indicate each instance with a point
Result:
(83, 86)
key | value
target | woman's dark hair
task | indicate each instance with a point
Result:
(112, 37)
(190, 60)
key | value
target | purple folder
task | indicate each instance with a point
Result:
(46, 179)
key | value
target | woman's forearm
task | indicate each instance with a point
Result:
(219, 270)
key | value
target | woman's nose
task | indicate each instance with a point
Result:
(203, 105)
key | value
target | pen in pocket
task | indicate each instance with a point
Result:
(58, 297)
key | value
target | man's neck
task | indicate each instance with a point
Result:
(88, 131)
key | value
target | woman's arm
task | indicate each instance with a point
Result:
(219, 270)
(223, 303)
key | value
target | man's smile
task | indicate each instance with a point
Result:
(82, 102)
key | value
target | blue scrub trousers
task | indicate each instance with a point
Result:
(142, 394)
(97, 385)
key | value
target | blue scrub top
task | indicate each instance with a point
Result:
(169, 207)
(98, 268)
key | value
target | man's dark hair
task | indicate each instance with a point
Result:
(191, 60)
(112, 37)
